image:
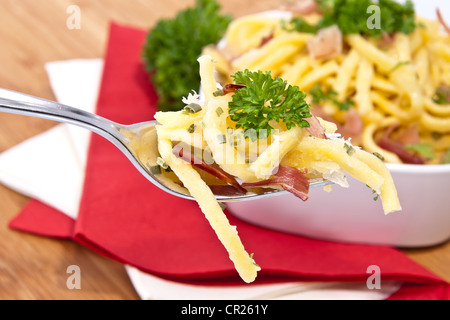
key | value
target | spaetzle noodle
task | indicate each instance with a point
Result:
(393, 80)
(255, 161)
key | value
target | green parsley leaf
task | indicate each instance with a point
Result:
(318, 96)
(424, 149)
(172, 47)
(264, 99)
(300, 25)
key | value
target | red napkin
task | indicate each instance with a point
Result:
(126, 218)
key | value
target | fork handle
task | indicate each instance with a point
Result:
(23, 104)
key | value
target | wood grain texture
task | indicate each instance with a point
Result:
(33, 33)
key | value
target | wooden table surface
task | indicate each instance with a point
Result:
(31, 34)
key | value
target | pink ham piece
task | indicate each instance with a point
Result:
(231, 88)
(217, 172)
(387, 40)
(442, 21)
(410, 135)
(398, 148)
(315, 128)
(327, 44)
(289, 178)
(266, 39)
(301, 7)
(352, 127)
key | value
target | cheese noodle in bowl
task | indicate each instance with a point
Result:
(388, 92)
(283, 147)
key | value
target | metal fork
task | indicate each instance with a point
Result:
(124, 137)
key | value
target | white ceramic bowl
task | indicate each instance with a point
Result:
(351, 214)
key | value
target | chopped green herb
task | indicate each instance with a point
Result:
(424, 149)
(377, 195)
(421, 25)
(222, 138)
(222, 205)
(172, 47)
(162, 163)
(218, 93)
(264, 99)
(193, 108)
(155, 170)
(379, 156)
(350, 149)
(373, 192)
(219, 111)
(251, 257)
(235, 140)
(398, 65)
(192, 128)
(318, 96)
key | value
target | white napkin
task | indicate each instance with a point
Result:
(50, 167)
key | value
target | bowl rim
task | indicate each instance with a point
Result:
(418, 168)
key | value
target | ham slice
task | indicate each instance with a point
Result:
(231, 88)
(289, 178)
(327, 44)
(315, 128)
(301, 7)
(217, 172)
(442, 21)
(352, 127)
(398, 148)
(410, 135)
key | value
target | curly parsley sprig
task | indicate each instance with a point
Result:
(172, 47)
(263, 99)
(351, 17)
